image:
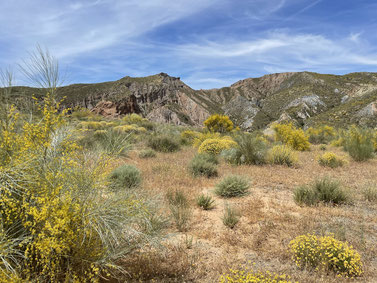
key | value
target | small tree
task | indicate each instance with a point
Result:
(219, 123)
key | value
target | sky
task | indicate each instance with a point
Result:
(207, 43)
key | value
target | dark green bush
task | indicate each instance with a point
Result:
(232, 186)
(251, 150)
(203, 165)
(125, 176)
(163, 143)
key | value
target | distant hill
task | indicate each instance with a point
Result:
(303, 97)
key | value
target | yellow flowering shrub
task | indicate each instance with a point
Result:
(133, 119)
(250, 276)
(130, 128)
(201, 137)
(219, 123)
(95, 125)
(330, 159)
(283, 155)
(321, 134)
(215, 146)
(291, 136)
(55, 221)
(358, 142)
(190, 136)
(326, 253)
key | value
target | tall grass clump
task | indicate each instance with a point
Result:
(56, 206)
(147, 153)
(282, 155)
(125, 177)
(179, 208)
(250, 150)
(163, 143)
(326, 254)
(113, 143)
(203, 165)
(324, 190)
(358, 143)
(206, 202)
(231, 216)
(232, 186)
(370, 192)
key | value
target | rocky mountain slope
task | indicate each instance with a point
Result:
(303, 97)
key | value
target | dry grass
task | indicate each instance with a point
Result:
(270, 218)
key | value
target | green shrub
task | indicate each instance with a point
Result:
(218, 123)
(250, 150)
(206, 202)
(323, 134)
(326, 253)
(330, 159)
(231, 216)
(188, 136)
(114, 143)
(359, 143)
(370, 193)
(283, 155)
(125, 176)
(179, 208)
(163, 143)
(323, 190)
(322, 147)
(147, 153)
(232, 186)
(203, 165)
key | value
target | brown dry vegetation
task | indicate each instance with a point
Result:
(270, 219)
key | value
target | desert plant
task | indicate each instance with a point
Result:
(323, 134)
(147, 153)
(358, 143)
(114, 143)
(163, 143)
(330, 159)
(205, 202)
(216, 146)
(322, 147)
(203, 165)
(231, 216)
(324, 190)
(218, 123)
(125, 176)
(283, 155)
(188, 136)
(242, 275)
(232, 186)
(201, 137)
(326, 253)
(291, 136)
(179, 208)
(370, 192)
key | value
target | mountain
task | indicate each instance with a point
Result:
(303, 97)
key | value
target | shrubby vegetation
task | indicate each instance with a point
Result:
(219, 123)
(231, 216)
(206, 202)
(163, 143)
(180, 209)
(321, 135)
(292, 136)
(147, 153)
(358, 143)
(326, 253)
(251, 276)
(125, 177)
(216, 146)
(283, 155)
(203, 165)
(330, 159)
(232, 186)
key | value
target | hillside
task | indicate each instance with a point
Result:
(303, 97)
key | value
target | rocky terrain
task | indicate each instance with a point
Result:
(303, 97)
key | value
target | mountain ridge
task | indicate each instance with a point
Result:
(305, 98)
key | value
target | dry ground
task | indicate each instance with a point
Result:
(270, 218)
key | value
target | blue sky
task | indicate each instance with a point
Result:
(208, 43)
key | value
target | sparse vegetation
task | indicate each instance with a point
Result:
(163, 143)
(323, 134)
(370, 192)
(232, 186)
(147, 153)
(324, 190)
(231, 216)
(283, 155)
(179, 208)
(203, 165)
(205, 202)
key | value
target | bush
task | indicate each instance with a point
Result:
(232, 186)
(59, 222)
(206, 202)
(163, 143)
(189, 136)
(130, 129)
(147, 153)
(370, 193)
(320, 135)
(125, 176)
(201, 137)
(180, 209)
(291, 136)
(216, 146)
(327, 254)
(330, 159)
(219, 123)
(359, 143)
(251, 276)
(322, 190)
(231, 216)
(114, 143)
(203, 165)
(250, 150)
(322, 147)
(283, 155)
